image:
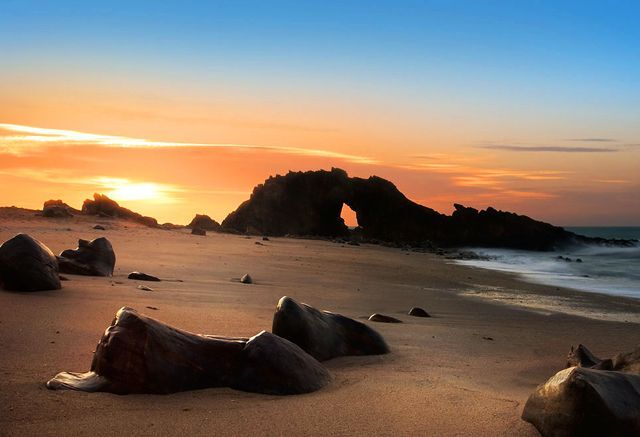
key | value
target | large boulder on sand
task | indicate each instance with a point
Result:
(91, 258)
(138, 354)
(579, 401)
(204, 222)
(325, 335)
(27, 265)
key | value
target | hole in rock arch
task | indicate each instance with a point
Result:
(349, 216)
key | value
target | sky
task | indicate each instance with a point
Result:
(182, 107)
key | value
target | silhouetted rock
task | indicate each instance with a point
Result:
(325, 335)
(580, 401)
(205, 222)
(142, 277)
(138, 354)
(246, 279)
(376, 317)
(57, 209)
(198, 231)
(310, 203)
(91, 258)
(27, 265)
(102, 206)
(418, 312)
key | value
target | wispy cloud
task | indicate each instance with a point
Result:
(560, 149)
(593, 140)
(23, 139)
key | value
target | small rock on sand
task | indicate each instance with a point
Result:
(144, 288)
(246, 279)
(383, 319)
(142, 277)
(418, 312)
(100, 228)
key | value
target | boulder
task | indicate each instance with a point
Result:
(27, 265)
(198, 231)
(143, 277)
(138, 354)
(323, 334)
(246, 279)
(205, 222)
(418, 312)
(580, 401)
(91, 258)
(376, 317)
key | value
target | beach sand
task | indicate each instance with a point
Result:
(468, 370)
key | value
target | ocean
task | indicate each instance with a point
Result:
(599, 269)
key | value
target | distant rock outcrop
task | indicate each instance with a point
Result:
(310, 203)
(102, 206)
(138, 354)
(58, 209)
(204, 222)
(91, 258)
(27, 265)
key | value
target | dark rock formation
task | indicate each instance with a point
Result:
(27, 265)
(310, 203)
(138, 354)
(580, 401)
(198, 231)
(204, 222)
(381, 318)
(325, 335)
(57, 209)
(102, 206)
(142, 277)
(418, 312)
(628, 362)
(91, 258)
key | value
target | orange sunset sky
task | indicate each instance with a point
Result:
(180, 111)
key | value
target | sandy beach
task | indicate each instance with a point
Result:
(465, 371)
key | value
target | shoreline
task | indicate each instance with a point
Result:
(466, 370)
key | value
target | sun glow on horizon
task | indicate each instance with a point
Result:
(120, 189)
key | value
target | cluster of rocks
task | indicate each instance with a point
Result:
(310, 204)
(26, 264)
(591, 396)
(167, 359)
(567, 259)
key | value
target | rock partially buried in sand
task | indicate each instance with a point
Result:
(377, 317)
(99, 228)
(91, 258)
(418, 312)
(325, 335)
(144, 288)
(588, 402)
(628, 362)
(143, 277)
(246, 279)
(198, 231)
(138, 354)
(28, 265)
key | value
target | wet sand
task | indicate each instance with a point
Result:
(466, 371)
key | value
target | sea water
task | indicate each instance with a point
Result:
(601, 269)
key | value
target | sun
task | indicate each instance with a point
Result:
(124, 190)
